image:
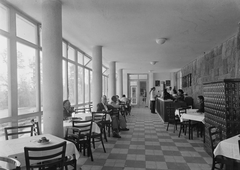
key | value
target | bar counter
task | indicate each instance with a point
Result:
(164, 108)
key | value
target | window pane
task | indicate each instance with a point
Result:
(71, 54)
(41, 80)
(64, 47)
(142, 76)
(86, 86)
(80, 85)
(133, 76)
(26, 30)
(106, 86)
(71, 81)
(26, 69)
(3, 77)
(103, 85)
(103, 69)
(80, 58)
(40, 34)
(4, 18)
(90, 86)
(64, 74)
(86, 60)
(89, 65)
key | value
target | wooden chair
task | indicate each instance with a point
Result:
(174, 120)
(36, 130)
(113, 112)
(100, 119)
(54, 158)
(80, 135)
(18, 130)
(7, 163)
(215, 134)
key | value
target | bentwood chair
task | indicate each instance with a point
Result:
(7, 163)
(100, 119)
(80, 135)
(53, 159)
(215, 134)
(173, 119)
(18, 130)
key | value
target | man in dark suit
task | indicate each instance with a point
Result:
(103, 106)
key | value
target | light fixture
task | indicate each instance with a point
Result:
(161, 40)
(153, 62)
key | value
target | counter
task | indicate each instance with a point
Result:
(164, 108)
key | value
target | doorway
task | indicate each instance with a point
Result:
(143, 93)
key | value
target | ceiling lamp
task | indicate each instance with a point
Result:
(153, 62)
(161, 40)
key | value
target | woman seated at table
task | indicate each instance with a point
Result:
(67, 109)
(201, 104)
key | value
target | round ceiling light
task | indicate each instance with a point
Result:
(161, 40)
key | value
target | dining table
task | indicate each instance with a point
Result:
(191, 115)
(88, 116)
(14, 148)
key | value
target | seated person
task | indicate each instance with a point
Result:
(122, 120)
(174, 93)
(201, 104)
(126, 103)
(124, 99)
(180, 96)
(103, 106)
(67, 109)
(167, 95)
(188, 100)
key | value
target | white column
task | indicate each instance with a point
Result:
(52, 67)
(112, 79)
(151, 85)
(120, 83)
(97, 76)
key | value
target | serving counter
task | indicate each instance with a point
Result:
(164, 108)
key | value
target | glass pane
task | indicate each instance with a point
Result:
(89, 65)
(41, 80)
(90, 86)
(133, 76)
(40, 34)
(103, 69)
(64, 47)
(133, 83)
(4, 18)
(86, 60)
(106, 85)
(80, 85)
(103, 83)
(71, 53)
(26, 69)
(3, 77)
(71, 82)
(80, 58)
(143, 77)
(64, 74)
(26, 30)
(86, 85)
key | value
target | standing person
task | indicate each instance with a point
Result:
(67, 109)
(152, 99)
(201, 104)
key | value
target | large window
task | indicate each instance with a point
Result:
(80, 85)
(3, 77)
(87, 86)
(71, 82)
(64, 75)
(3, 18)
(27, 80)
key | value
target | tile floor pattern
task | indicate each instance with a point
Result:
(149, 146)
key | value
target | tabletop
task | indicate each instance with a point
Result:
(15, 147)
(88, 116)
(228, 148)
(191, 114)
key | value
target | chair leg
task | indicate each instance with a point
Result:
(93, 142)
(181, 127)
(105, 134)
(167, 126)
(103, 145)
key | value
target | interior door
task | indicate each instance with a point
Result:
(143, 93)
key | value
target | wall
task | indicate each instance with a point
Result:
(219, 63)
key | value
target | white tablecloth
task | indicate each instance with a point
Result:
(88, 116)
(67, 123)
(228, 148)
(191, 114)
(15, 148)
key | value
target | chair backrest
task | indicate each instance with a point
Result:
(36, 130)
(87, 110)
(115, 111)
(180, 104)
(98, 117)
(80, 110)
(215, 134)
(18, 130)
(182, 111)
(84, 127)
(189, 101)
(8, 163)
(53, 157)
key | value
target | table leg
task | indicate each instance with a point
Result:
(189, 133)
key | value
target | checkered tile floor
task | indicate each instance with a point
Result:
(149, 146)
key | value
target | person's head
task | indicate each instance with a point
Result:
(180, 92)
(123, 95)
(104, 99)
(170, 88)
(174, 91)
(153, 88)
(114, 98)
(66, 104)
(200, 98)
(185, 94)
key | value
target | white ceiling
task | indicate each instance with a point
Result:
(127, 29)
